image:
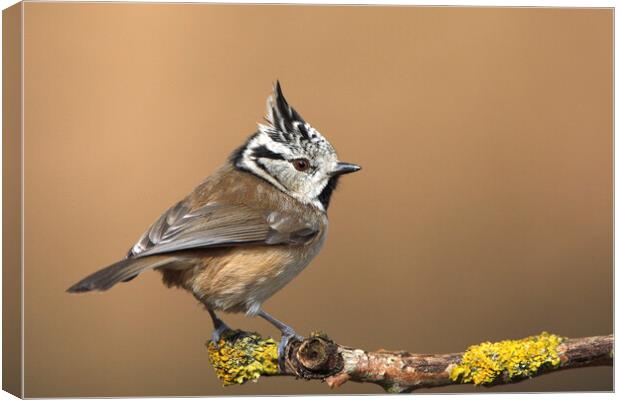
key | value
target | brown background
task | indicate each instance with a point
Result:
(483, 212)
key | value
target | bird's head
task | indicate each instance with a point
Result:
(292, 155)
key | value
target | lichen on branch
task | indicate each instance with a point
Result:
(243, 356)
(488, 362)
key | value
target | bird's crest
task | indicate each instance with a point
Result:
(279, 114)
(286, 125)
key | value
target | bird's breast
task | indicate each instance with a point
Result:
(240, 279)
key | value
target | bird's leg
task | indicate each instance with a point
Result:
(219, 327)
(288, 333)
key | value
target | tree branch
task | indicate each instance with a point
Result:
(242, 356)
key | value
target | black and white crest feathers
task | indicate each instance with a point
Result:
(281, 115)
(286, 124)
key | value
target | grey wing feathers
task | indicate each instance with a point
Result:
(212, 225)
(154, 234)
(286, 228)
(218, 225)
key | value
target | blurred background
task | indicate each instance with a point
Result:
(483, 210)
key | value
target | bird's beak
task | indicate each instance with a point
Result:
(345, 168)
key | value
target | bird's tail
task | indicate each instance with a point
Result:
(123, 270)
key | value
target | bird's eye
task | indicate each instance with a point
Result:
(301, 164)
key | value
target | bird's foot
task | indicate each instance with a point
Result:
(217, 334)
(287, 335)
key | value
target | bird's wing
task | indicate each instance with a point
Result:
(222, 225)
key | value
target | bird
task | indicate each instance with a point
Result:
(248, 229)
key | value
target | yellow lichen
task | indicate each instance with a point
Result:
(484, 363)
(240, 357)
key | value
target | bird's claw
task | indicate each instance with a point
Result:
(217, 334)
(287, 336)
